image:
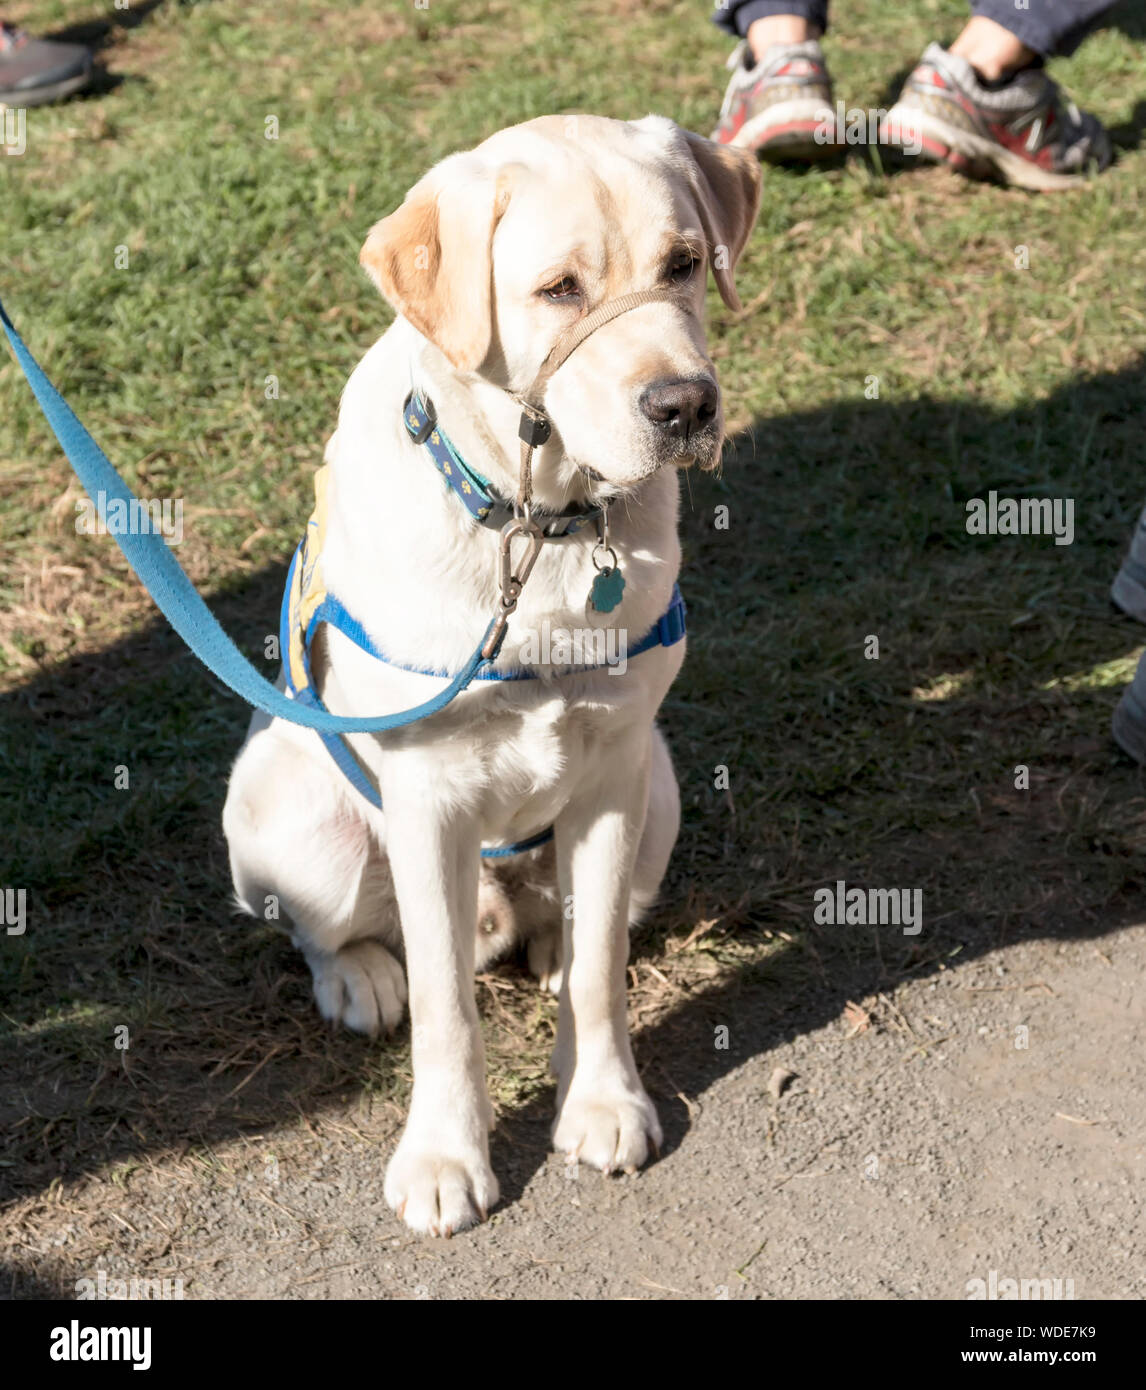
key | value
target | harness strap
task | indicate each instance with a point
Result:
(298, 625)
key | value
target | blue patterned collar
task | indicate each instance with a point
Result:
(476, 492)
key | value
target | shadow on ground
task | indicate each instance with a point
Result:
(842, 523)
(101, 34)
(103, 30)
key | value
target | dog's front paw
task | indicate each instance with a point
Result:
(611, 1128)
(361, 986)
(439, 1192)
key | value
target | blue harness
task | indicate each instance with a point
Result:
(307, 604)
(147, 552)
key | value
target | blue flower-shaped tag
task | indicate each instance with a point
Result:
(607, 589)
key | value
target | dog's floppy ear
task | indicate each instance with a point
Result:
(729, 183)
(432, 258)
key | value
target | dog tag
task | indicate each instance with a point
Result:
(607, 589)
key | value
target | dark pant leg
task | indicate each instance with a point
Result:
(1054, 28)
(737, 15)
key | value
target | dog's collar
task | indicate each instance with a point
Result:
(476, 491)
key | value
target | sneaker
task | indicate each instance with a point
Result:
(776, 106)
(1129, 723)
(1129, 588)
(35, 71)
(1025, 132)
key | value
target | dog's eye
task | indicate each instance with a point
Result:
(681, 266)
(565, 288)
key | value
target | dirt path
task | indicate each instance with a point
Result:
(917, 1148)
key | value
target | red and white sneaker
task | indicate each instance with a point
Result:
(777, 106)
(1025, 133)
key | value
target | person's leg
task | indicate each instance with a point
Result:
(987, 107)
(35, 71)
(767, 30)
(1129, 589)
(738, 16)
(1129, 593)
(993, 51)
(780, 92)
(1129, 723)
(1049, 28)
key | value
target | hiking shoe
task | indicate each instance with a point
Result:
(776, 106)
(1129, 588)
(1129, 723)
(1024, 132)
(35, 71)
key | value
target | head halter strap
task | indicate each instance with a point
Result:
(535, 427)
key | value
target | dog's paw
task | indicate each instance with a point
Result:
(438, 1193)
(544, 954)
(361, 986)
(611, 1129)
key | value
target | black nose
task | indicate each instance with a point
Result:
(681, 406)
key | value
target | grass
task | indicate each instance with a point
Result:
(846, 520)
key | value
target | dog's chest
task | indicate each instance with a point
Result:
(521, 765)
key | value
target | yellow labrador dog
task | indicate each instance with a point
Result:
(549, 284)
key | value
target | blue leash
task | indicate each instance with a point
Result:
(181, 604)
(177, 598)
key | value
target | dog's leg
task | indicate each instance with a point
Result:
(302, 852)
(439, 1180)
(662, 824)
(603, 1114)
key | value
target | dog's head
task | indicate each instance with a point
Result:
(498, 251)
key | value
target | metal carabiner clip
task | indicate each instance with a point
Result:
(511, 583)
